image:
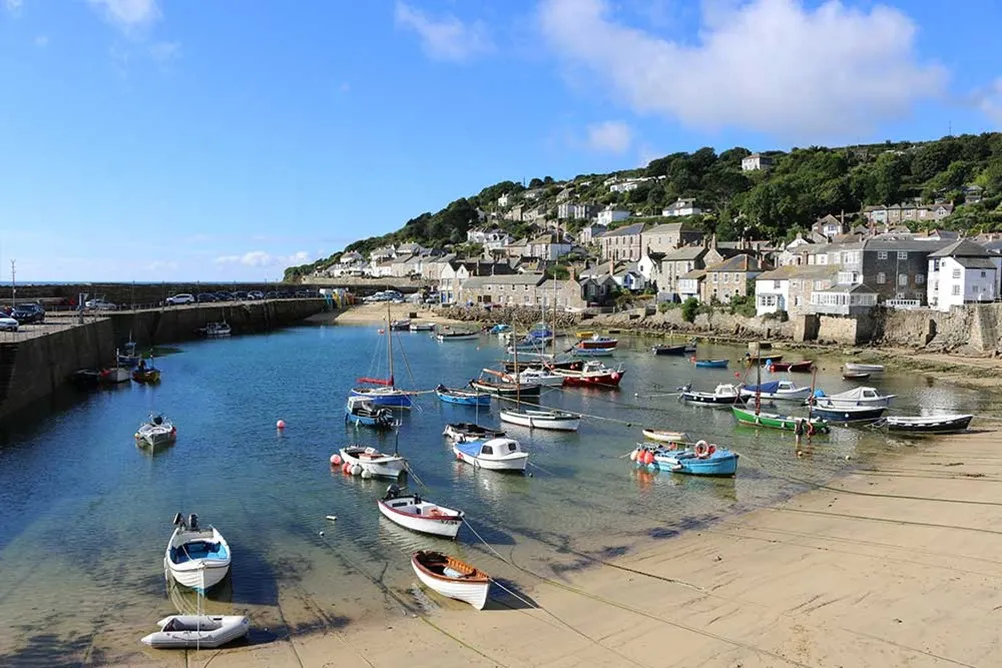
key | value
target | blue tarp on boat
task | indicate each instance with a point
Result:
(764, 388)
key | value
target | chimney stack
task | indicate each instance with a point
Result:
(612, 267)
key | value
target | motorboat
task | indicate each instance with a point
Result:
(927, 424)
(724, 394)
(196, 558)
(835, 413)
(592, 374)
(803, 366)
(363, 411)
(528, 345)
(457, 335)
(862, 367)
(857, 396)
(496, 454)
(421, 326)
(127, 356)
(677, 350)
(461, 432)
(156, 431)
(543, 377)
(462, 397)
(217, 330)
(710, 363)
(592, 351)
(378, 464)
(451, 577)
(402, 325)
(115, 374)
(596, 341)
(417, 514)
(541, 419)
(197, 631)
(751, 417)
(500, 328)
(777, 390)
(703, 459)
(664, 436)
(544, 361)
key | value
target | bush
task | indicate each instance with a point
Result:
(689, 308)
(743, 305)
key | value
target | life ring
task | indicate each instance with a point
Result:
(711, 449)
(702, 450)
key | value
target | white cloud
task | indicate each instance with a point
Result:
(445, 38)
(128, 15)
(990, 101)
(164, 52)
(12, 5)
(771, 66)
(41, 41)
(610, 136)
(264, 259)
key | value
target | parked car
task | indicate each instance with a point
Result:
(224, 296)
(240, 295)
(255, 294)
(205, 297)
(271, 294)
(183, 298)
(99, 305)
(302, 294)
(8, 324)
(28, 312)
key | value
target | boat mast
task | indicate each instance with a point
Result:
(389, 342)
(518, 378)
(810, 399)
(553, 331)
(758, 380)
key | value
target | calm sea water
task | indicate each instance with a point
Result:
(86, 514)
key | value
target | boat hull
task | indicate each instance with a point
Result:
(542, 420)
(514, 462)
(706, 399)
(385, 466)
(859, 367)
(463, 432)
(506, 389)
(670, 350)
(947, 424)
(457, 337)
(712, 364)
(474, 593)
(775, 421)
(446, 527)
(661, 436)
(380, 397)
(799, 394)
(719, 465)
(201, 574)
(157, 436)
(593, 352)
(850, 414)
(462, 397)
(197, 631)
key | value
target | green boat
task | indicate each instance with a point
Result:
(776, 421)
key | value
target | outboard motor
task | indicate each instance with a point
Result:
(158, 420)
(193, 522)
(392, 492)
(178, 520)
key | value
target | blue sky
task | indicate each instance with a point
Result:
(169, 140)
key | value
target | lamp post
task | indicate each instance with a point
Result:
(13, 284)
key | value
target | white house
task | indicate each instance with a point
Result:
(681, 207)
(591, 232)
(755, 162)
(611, 214)
(491, 239)
(575, 210)
(961, 273)
(548, 247)
(772, 291)
(504, 200)
(649, 265)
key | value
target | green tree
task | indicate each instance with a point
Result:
(990, 177)
(536, 183)
(689, 309)
(887, 176)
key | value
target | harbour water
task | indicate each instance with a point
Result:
(86, 513)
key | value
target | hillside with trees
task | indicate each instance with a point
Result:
(776, 203)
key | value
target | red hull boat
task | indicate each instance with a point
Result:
(593, 374)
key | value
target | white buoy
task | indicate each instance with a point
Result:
(366, 474)
(356, 470)
(321, 533)
(332, 518)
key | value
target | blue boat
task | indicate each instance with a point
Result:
(388, 397)
(362, 411)
(711, 364)
(462, 397)
(499, 328)
(702, 459)
(835, 413)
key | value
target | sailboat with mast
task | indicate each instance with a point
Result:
(385, 393)
(537, 418)
(757, 418)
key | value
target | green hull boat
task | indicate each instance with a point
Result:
(776, 421)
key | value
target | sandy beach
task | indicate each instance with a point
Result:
(376, 313)
(893, 566)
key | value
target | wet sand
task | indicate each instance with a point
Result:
(376, 313)
(898, 565)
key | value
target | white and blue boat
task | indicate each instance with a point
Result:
(703, 459)
(385, 393)
(196, 558)
(127, 356)
(364, 411)
(496, 454)
(462, 397)
(499, 328)
(826, 410)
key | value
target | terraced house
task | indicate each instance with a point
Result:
(623, 243)
(731, 278)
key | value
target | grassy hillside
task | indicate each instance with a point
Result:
(802, 185)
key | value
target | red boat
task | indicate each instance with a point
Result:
(803, 366)
(593, 374)
(597, 341)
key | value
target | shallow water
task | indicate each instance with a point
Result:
(87, 513)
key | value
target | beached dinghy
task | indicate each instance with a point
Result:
(461, 432)
(758, 418)
(196, 558)
(703, 459)
(156, 431)
(662, 436)
(378, 464)
(497, 454)
(710, 364)
(927, 424)
(413, 512)
(451, 577)
(197, 631)
(860, 367)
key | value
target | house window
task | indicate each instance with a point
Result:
(956, 273)
(956, 291)
(982, 274)
(881, 255)
(796, 300)
(727, 278)
(903, 279)
(775, 285)
(919, 279)
(902, 255)
(881, 278)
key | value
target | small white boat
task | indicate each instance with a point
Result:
(497, 454)
(157, 431)
(857, 396)
(461, 432)
(451, 577)
(217, 330)
(543, 377)
(378, 464)
(196, 558)
(542, 419)
(663, 436)
(457, 335)
(417, 514)
(860, 367)
(777, 390)
(422, 326)
(197, 631)
(116, 374)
